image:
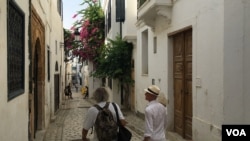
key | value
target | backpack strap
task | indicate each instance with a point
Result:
(100, 108)
(117, 116)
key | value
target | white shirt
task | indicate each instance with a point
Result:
(155, 121)
(90, 118)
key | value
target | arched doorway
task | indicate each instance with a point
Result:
(37, 95)
(35, 82)
(36, 75)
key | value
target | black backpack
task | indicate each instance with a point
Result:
(105, 126)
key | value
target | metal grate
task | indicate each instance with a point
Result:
(15, 48)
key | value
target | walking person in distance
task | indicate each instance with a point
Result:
(68, 91)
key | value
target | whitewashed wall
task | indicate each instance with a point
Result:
(94, 83)
(236, 66)
(128, 26)
(55, 30)
(13, 113)
(207, 42)
(220, 52)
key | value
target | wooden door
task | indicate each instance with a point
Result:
(183, 83)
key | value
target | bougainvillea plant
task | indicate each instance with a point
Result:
(92, 30)
(69, 44)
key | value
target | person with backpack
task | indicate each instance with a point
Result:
(102, 116)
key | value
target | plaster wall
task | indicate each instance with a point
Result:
(208, 44)
(14, 113)
(236, 65)
(128, 26)
(55, 31)
(115, 26)
(94, 83)
(157, 66)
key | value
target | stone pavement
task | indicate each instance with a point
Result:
(67, 125)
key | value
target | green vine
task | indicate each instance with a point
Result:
(115, 62)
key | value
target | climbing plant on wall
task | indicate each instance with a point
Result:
(92, 28)
(115, 62)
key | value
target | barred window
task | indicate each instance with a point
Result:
(15, 50)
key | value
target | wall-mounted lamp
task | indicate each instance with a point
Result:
(77, 35)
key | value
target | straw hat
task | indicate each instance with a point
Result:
(162, 99)
(153, 89)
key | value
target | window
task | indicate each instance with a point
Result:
(56, 47)
(155, 45)
(144, 53)
(15, 50)
(56, 66)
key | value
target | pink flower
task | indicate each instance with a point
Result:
(94, 30)
(74, 16)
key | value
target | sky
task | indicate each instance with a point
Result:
(70, 8)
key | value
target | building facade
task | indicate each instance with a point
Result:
(197, 53)
(32, 74)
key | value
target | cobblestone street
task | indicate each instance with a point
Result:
(67, 125)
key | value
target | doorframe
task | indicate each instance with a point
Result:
(170, 109)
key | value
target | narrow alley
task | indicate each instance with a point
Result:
(67, 125)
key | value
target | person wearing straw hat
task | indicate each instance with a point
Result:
(155, 116)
